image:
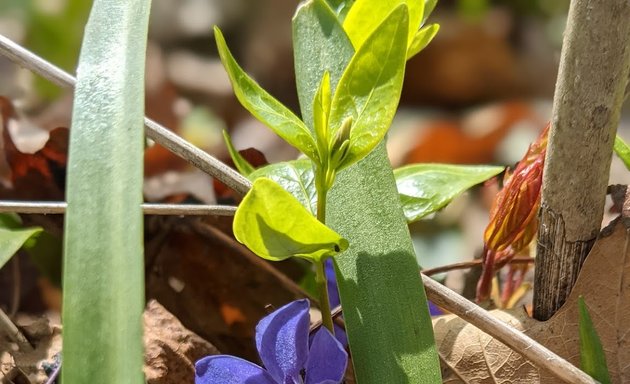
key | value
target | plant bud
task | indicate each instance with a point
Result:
(513, 217)
(343, 134)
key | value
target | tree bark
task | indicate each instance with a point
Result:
(593, 74)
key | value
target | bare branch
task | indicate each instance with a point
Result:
(13, 333)
(148, 209)
(154, 131)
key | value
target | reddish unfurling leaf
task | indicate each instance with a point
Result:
(513, 216)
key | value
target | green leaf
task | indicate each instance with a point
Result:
(321, 114)
(103, 281)
(421, 39)
(592, 356)
(369, 90)
(429, 6)
(12, 237)
(622, 150)
(365, 16)
(275, 226)
(264, 106)
(426, 188)
(296, 177)
(243, 166)
(387, 318)
(10, 221)
(46, 252)
(312, 58)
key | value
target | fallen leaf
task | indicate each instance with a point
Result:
(213, 285)
(471, 356)
(170, 350)
(40, 175)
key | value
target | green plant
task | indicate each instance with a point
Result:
(349, 94)
(103, 254)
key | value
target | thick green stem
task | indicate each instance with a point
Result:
(321, 199)
(322, 288)
(321, 177)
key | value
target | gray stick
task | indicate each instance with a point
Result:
(154, 131)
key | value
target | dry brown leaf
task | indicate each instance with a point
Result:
(471, 356)
(171, 350)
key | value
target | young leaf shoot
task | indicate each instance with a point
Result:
(275, 226)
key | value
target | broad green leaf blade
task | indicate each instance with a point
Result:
(622, 150)
(421, 39)
(370, 87)
(379, 282)
(366, 15)
(103, 283)
(426, 188)
(263, 106)
(243, 166)
(296, 177)
(592, 356)
(12, 239)
(275, 226)
(387, 318)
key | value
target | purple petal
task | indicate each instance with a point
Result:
(222, 369)
(331, 281)
(434, 310)
(327, 360)
(340, 335)
(282, 341)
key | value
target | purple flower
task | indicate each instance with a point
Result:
(333, 297)
(282, 340)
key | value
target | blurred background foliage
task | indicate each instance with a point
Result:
(52, 28)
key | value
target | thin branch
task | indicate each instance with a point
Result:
(13, 333)
(17, 285)
(56, 207)
(472, 264)
(154, 131)
(516, 340)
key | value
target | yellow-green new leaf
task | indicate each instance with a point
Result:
(426, 188)
(321, 113)
(622, 150)
(366, 15)
(12, 237)
(275, 226)
(243, 166)
(296, 177)
(421, 39)
(369, 89)
(263, 106)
